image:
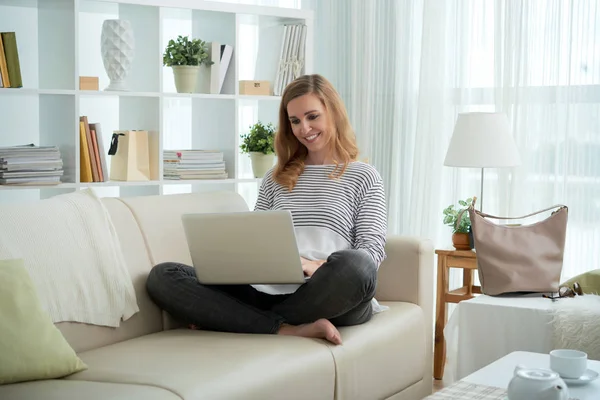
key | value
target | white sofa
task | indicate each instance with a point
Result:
(149, 357)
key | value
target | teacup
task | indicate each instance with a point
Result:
(570, 364)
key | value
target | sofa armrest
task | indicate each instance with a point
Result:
(407, 275)
(407, 272)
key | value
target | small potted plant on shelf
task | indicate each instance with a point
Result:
(259, 144)
(460, 229)
(187, 57)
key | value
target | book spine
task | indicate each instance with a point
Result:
(9, 40)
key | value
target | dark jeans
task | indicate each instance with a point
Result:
(340, 291)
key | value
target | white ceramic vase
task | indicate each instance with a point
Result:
(261, 163)
(118, 48)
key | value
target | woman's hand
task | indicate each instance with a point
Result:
(310, 266)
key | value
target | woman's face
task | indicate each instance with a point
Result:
(310, 124)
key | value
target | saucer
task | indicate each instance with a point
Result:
(586, 378)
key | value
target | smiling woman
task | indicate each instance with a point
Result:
(340, 220)
(314, 129)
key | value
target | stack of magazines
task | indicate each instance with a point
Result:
(194, 164)
(30, 165)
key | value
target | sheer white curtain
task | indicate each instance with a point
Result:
(406, 68)
(538, 61)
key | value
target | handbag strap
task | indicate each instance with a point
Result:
(559, 206)
(472, 207)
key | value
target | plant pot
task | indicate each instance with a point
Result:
(186, 77)
(203, 85)
(261, 163)
(461, 241)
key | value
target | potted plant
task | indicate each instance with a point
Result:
(186, 57)
(460, 229)
(259, 144)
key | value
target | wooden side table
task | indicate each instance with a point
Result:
(467, 261)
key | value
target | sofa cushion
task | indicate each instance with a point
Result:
(149, 319)
(163, 231)
(382, 357)
(211, 365)
(30, 345)
(60, 389)
(589, 281)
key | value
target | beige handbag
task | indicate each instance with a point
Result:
(519, 258)
(130, 156)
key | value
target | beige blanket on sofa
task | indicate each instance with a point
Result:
(73, 255)
(576, 324)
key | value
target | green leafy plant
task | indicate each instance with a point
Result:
(451, 216)
(183, 51)
(260, 139)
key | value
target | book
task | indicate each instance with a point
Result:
(11, 53)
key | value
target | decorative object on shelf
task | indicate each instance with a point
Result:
(118, 47)
(186, 57)
(255, 88)
(482, 140)
(130, 152)
(460, 228)
(88, 83)
(259, 144)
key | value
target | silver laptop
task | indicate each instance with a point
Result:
(254, 247)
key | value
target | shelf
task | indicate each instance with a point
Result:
(85, 93)
(207, 181)
(199, 96)
(60, 40)
(35, 92)
(108, 93)
(118, 183)
(36, 187)
(254, 97)
(130, 184)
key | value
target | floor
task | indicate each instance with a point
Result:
(440, 384)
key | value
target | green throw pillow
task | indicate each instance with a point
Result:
(589, 282)
(31, 347)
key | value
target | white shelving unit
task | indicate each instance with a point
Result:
(59, 41)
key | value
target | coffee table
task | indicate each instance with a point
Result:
(500, 372)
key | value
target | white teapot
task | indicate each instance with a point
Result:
(536, 384)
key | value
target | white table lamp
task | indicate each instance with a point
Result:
(482, 140)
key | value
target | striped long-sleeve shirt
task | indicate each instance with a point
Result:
(331, 214)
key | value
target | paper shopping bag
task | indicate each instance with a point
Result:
(130, 156)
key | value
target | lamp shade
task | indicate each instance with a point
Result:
(482, 140)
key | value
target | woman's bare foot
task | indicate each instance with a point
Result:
(320, 329)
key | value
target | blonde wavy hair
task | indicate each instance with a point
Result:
(291, 154)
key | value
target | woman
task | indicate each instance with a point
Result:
(339, 212)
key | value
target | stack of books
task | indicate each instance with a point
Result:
(30, 165)
(292, 56)
(193, 164)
